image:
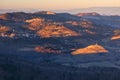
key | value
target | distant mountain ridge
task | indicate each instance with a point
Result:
(88, 14)
(100, 10)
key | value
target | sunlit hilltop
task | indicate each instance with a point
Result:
(92, 49)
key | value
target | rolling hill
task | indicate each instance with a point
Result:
(42, 44)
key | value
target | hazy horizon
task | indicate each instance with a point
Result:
(100, 10)
(56, 5)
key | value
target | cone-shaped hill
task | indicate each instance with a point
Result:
(92, 49)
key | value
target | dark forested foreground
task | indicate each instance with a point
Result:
(16, 69)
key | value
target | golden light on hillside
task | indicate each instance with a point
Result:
(41, 49)
(92, 49)
(56, 31)
(4, 29)
(116, 35)
(35, 24)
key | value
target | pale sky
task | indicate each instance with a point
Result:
(57, 4)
